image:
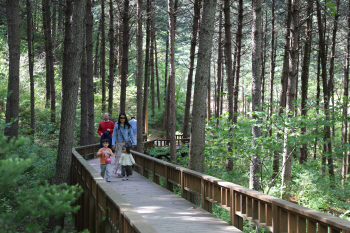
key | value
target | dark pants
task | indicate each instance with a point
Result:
(106, 135)
(127, 170)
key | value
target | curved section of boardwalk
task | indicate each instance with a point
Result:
(164, 210)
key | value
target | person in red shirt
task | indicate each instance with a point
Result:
(105, 130)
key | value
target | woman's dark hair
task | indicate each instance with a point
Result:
(126, 122)
(127, 148)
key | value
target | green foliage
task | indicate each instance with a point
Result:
(26, 198)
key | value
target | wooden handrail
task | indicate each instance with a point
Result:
(102, 208)
(271, 213)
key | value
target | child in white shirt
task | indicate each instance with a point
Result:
(126, 160)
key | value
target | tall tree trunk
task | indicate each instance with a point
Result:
(83, 101)
(318, 92)
(70, 84)
(238, 60)
(139, 77)
(156, 67)
(111, 58)
(151, 64)
(263, 60)
(345, 161)
(196, 9)
(172, 109)
(197, 138)
(290, 96)
(31, 65)
(125, 59)
(255, 165)
(219, 64)
(327, 148)
(209, 97)
(228, 58)
(54, 24)
(97, 57)
(103, 56)
(305, 75)
(331, 86)
(275, 165)
(146, 84)
(89, 76)
(50, 75)
(14, 43)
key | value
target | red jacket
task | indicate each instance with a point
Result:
(103, 126)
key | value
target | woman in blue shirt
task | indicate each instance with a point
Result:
(122, 133)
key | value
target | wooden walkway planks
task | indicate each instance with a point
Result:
(164, 210)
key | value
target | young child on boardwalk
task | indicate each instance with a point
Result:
(126, 160)
(105, 159)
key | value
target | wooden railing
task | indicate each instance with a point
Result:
(271, 213)
(102, 209)
(165, 142)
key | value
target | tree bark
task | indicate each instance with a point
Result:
(197, 138)
(97, 57)
(327, 148)
(238, 60)
(156, 67)
(139, 77)
(103, 56)
(83, 101)
(146, 84)
(70, 83)
(31, 65)
(172, 109)
(305, 75)
(196, 12)
(111, 58)
(345, 161)
(255, 165)
(151, 64)
(89, 76)
(219, 67)
(14, 43)
(290, 96)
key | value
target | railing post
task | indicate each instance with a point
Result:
(168, 185)
(236, 220)
(275, 218)
(155, 177)
(206, 205)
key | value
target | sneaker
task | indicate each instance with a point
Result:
(108, 180)
(127, 177)
(124, 178)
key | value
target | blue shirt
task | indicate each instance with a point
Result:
(133, 124)
(127, 133)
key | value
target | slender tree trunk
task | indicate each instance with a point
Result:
(197, 138)
(139, 77)
(111, 58)
(290, 97)
(54, 24)
(152, 67)
(209, 97)
(172, 109)
(331, 86)
(326, 91)
(228, 58)
(83, 101)
(89, 74)
(196, 8)
(219, 65)
(255, 165)
(97, 57)
(345, 161)
(146, 84)
(50, 76)
(263, 60)
(70, 83)
(14, 43)
(238, 60)
(31, 65)
(125, 59)
(103, 56)
(156, 67)
(305, 75)
(318, 92)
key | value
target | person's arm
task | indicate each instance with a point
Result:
(114, 138)
(99, 153)
(111, 130)
(132, 159)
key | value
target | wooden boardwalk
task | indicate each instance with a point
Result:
(164, 210)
